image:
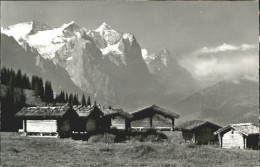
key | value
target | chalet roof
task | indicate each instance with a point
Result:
(244, 128)
(116, 112)
(151, 110)
(43, 112)
(84, 111)
(191, 125)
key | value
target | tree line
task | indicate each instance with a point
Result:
(14, 98)
(44, 91)
(71, 99)
(18, 80)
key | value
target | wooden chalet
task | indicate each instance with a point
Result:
(90, 118)
(116, 118)
(153, 117)
(198, 132)
(241, 136)
(48, 121)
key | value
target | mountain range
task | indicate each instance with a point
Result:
(108, 65)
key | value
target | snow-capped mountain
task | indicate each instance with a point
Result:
(104, 63)
(16, 57)
(21, 30)
(45, 40)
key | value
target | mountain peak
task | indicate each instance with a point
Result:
(70, 24)
(104, 26)
(129, 36)
(71, 27)
(20, 30)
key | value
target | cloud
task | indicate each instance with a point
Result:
(225, 62)
(225, 47)
(227, 69)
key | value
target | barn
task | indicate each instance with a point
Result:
(116, 118)
(90, 118)
(241, 136)
(198, 131)
(48, 121)
(153, 117)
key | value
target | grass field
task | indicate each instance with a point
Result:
(17, 150)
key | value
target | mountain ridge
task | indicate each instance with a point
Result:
(105, 63)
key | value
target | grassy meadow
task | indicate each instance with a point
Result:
(24, 151)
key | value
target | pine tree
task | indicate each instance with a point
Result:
(41, 89)
(11, 83)
(61, 97)
(37, 86)
(70, 100)
(88, 102)
(19, 99)
(33, 82)
(83, 100)
(66, 97)
(48, 95)
(25, 82)
(18, 79)
(4, 75)
(75, 100)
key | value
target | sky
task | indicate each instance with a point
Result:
(199, 34)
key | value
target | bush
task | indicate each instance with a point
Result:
(136, 138)
(191, 145)
(103, 138)
(152, 138)
(148, 136)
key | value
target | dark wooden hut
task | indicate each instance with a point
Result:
(198, 132)
(153, 117)
(241, 136)
(116, 118)
(90, 118)
(46, 121)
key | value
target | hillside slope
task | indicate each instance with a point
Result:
(224, 103)
(31, 99)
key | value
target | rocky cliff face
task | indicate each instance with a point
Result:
(166, 70)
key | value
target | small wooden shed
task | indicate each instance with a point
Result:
(116, 118)
(90, 118)
(153, 117)
(241, 136)
(48, 121)
(198, 131)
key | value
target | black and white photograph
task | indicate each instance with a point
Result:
(129, 84)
